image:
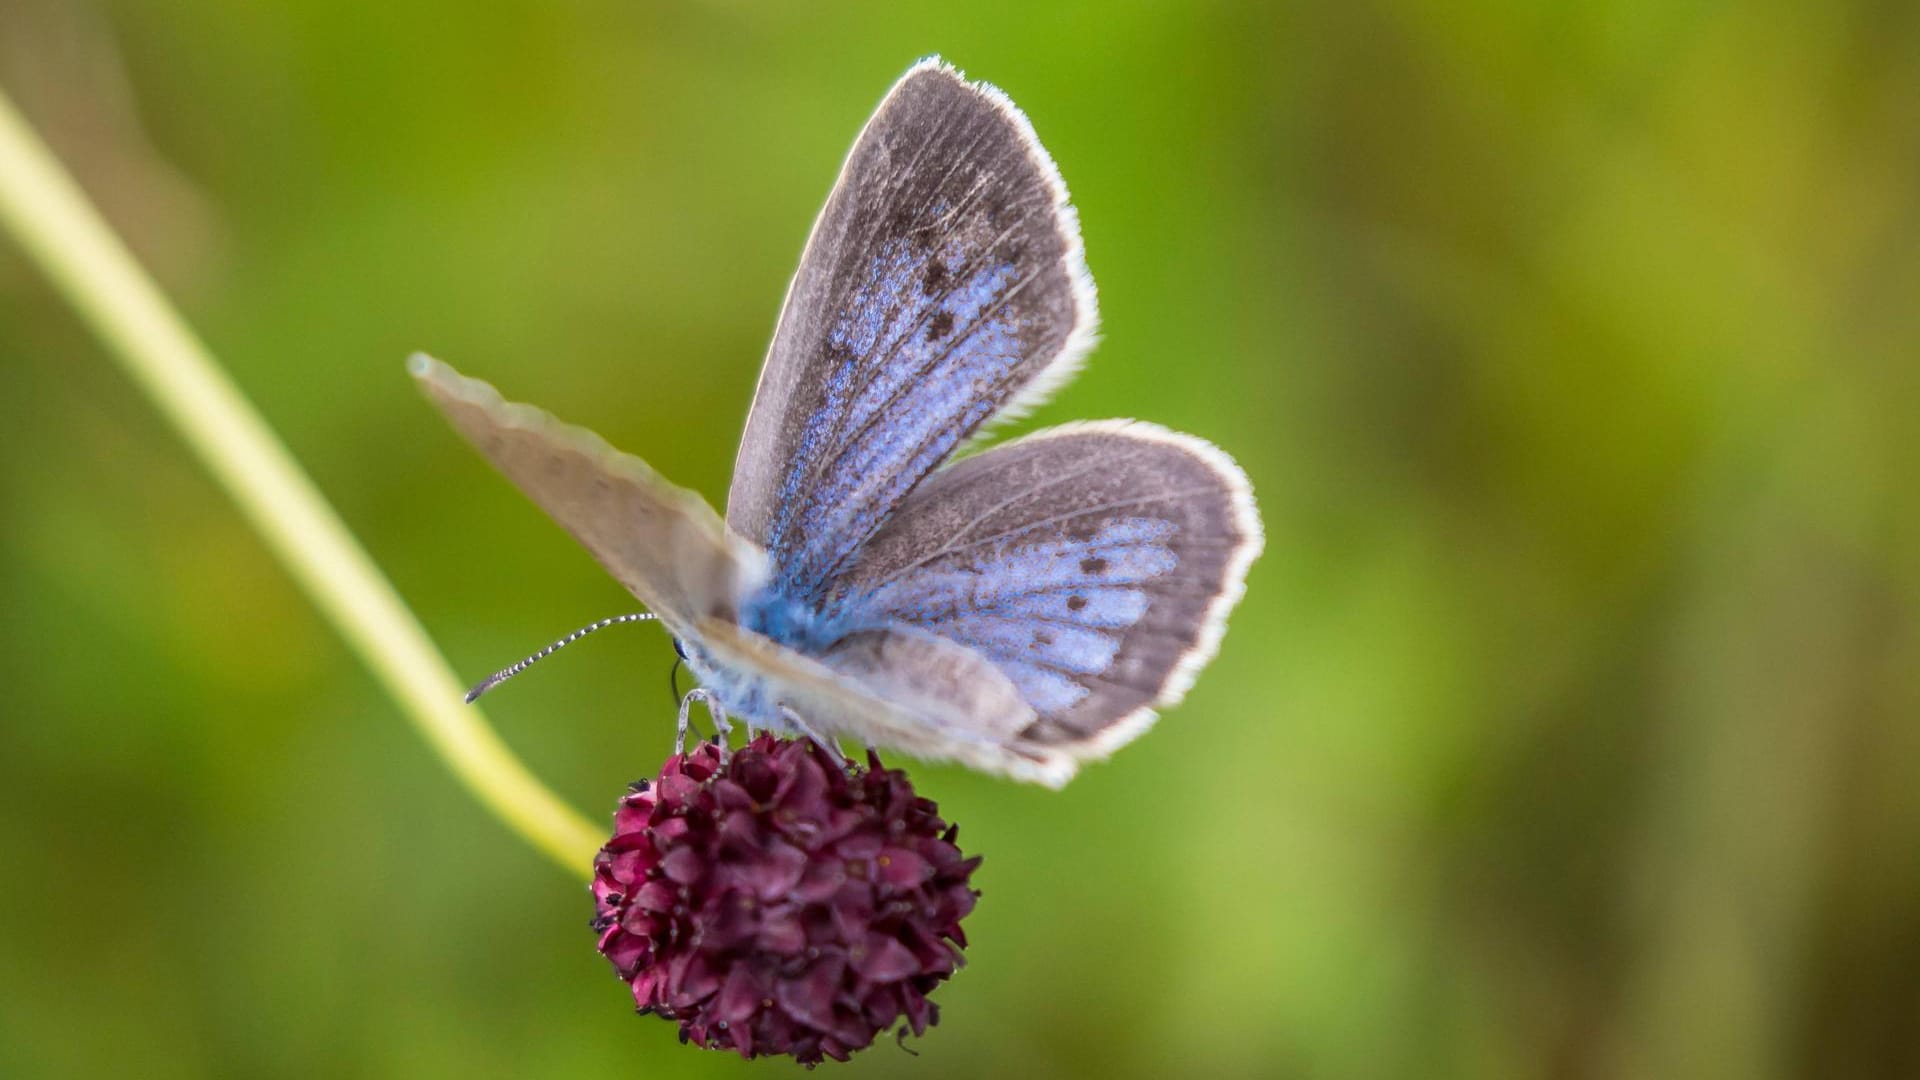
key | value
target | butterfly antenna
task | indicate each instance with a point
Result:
(506, 673)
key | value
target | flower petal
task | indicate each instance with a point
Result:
(902, 869)
(883, 959)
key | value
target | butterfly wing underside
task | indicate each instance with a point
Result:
(895, 687)
(943, 284)
(662, 542)
(1093, 565)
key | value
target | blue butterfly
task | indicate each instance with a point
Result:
(1021, 609)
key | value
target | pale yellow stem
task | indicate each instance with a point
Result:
(61, 231)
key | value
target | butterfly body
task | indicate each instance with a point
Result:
(742, 692)
(796, 623)
(791, 624)
(1020, 609)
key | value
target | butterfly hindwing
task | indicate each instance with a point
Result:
(1093, 564)
(894, 686)
(664, 543)
(942, 284)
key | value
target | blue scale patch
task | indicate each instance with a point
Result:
(917, 351)
(1047, 608)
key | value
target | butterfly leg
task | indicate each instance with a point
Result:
(824, 743)
(722, 726)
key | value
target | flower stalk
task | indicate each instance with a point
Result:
(62, 233)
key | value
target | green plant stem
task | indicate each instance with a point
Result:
(61, 231)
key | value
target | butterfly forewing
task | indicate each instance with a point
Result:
(662, 542)
(943, 283)
(1093, 564)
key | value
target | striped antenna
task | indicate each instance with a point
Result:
(504, 674)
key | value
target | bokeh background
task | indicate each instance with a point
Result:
(1568, 728)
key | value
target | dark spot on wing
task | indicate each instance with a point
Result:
(838, 353)
(1075, 603)
(1093, 564)
(940, 326)
(1042, 638)
(936, 280)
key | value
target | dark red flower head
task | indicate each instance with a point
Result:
(771, 901)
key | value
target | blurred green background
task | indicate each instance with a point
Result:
(1568, 728)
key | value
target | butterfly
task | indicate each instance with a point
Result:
(1019, 609)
